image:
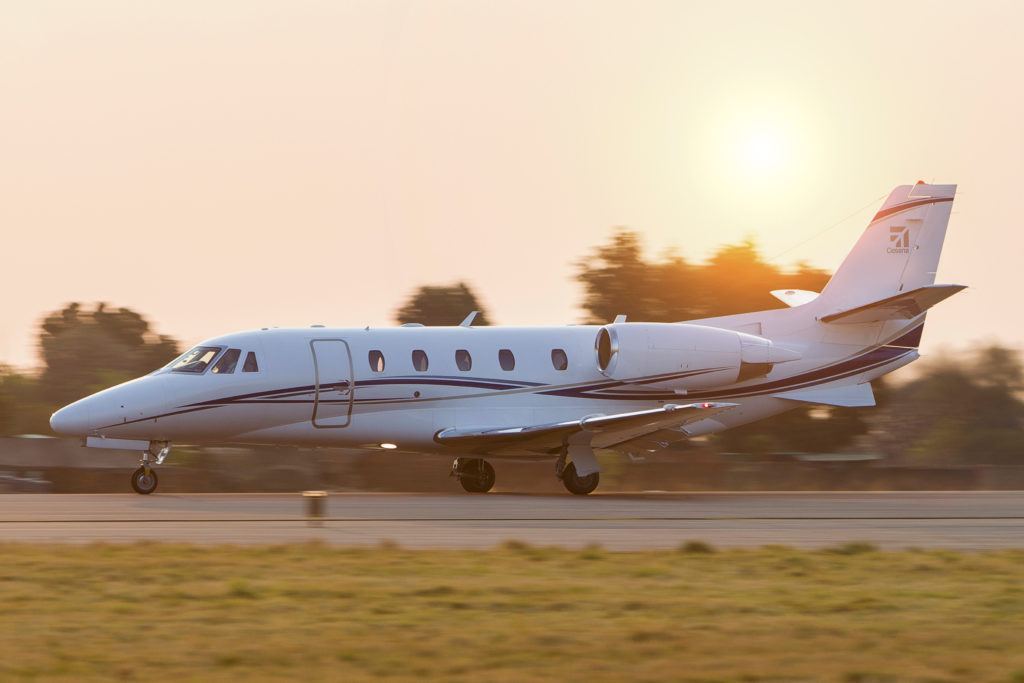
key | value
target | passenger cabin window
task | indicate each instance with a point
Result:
(559, 359)
(250, 364)
(506, 360)
(197, 360)
(227, 363)
(419, 361)
(463, 360)
(377, 361)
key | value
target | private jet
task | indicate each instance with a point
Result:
(477, 394)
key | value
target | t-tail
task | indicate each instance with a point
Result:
(890, 273)
(869, 318)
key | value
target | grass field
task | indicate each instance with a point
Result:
(310, 612)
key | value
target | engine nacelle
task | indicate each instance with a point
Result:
(681, 356)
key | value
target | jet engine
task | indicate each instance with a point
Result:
(681, 356)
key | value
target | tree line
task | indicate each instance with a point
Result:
(963, 411)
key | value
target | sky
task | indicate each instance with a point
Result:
(226, 165)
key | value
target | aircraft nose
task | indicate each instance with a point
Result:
(71, 420)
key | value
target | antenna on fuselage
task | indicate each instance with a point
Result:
(620, 318)
(468, 322)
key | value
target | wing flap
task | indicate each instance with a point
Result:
(900, 307)
(655, 441)
(604, 431)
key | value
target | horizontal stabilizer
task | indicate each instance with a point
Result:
(847, 396)
(794, 297)
(900, 307)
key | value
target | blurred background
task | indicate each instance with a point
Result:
(177, 171)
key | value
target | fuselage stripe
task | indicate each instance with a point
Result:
(884, 213)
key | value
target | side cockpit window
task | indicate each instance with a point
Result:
(197, 360)
(250, 364)
(227, 363)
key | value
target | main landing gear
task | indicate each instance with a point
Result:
(144, 479)
(573, 482)
(475, 474)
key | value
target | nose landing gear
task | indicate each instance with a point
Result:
(144, 479)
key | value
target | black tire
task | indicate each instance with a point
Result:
(476, 475)
(143, 482)
(577, 485)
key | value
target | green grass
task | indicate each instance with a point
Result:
(850, 614)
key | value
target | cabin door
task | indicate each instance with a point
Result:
(333, 385)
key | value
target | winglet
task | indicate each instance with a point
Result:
(468, 322)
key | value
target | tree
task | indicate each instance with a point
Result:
(617, 279)
(999, 367)
(441, 305)
(9, 398)
(87, 350)
(965, 411)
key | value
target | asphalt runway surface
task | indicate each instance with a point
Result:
(954, 520)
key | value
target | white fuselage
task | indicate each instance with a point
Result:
(316, 386)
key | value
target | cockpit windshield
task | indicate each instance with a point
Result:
(197, 360)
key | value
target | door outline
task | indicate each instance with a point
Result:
(316, 385)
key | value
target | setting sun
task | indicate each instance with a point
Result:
(763, 149)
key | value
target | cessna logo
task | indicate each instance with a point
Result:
(899, 236)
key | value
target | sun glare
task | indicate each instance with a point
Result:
(761, 150)
(764, 150)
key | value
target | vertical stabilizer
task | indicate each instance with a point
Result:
(898, 252)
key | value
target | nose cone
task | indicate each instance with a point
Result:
(71, 420)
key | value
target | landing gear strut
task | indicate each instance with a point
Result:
(144, 479)
(475, 474)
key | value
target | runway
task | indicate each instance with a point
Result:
(954, 520)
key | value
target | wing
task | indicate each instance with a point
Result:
(599, 431)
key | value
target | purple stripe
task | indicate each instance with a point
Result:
(310, 388)
(874, 358)
(911, 339)
(153, 417)
(908, 205)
